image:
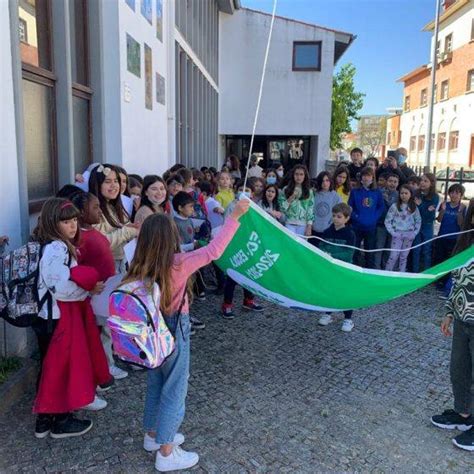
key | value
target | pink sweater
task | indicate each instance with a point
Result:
(185, 264)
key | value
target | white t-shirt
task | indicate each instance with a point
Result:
(215, 219)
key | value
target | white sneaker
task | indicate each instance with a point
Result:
(117, 373)
(96, 405)
(149, 443)
(347, 325)
(178, 459)
(325, 319)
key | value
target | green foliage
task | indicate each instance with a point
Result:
(346, 104)
(8, 365)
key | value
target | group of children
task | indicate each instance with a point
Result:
(85, 229)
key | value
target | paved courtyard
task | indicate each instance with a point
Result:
(276, 393)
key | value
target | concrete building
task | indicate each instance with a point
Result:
(452, 139)
(295, 111)
(145, 84)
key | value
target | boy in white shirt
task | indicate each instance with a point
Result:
(215, 212)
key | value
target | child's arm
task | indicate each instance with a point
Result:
(117, 237)
(442, 210)
(461, 215)
(417, 219)
(389, 220)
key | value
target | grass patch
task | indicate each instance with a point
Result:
(7, 366)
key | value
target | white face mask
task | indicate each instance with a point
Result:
(280, 173)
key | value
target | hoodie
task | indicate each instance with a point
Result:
(367, 207)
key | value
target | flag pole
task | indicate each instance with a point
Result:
(434, 62)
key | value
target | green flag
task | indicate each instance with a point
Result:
(279, 266)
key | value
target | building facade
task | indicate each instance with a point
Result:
(452, 138)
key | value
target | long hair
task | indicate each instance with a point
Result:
(464, 241)
(346, 187)
(96, 180)
(153, 261)
(432, 179)
(305, 186)
(148, 180)
(319, 181)
(127, 181)
(54, 211)
(234, 163)
(411, 203)
(275, 204)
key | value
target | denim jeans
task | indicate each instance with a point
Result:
(369, 238)
(167, 385)
(426, 233)
(382, 241)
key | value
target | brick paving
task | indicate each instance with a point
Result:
(275, 392)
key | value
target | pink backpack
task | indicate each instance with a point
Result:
(139, 332)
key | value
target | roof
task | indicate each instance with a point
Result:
(451, 10)
(414, 73)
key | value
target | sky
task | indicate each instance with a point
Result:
(389, 40)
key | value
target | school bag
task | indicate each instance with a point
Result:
(139, 333)
(19, 273)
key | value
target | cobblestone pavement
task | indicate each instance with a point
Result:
(275, 392)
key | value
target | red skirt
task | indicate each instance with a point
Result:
(75, 362)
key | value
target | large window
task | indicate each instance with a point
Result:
(307, 56)
(412, 143)
(442, 141)
(423, 97)
(407, 103)
(421, 142)
(470, 81)
(453, 140)
(444, 90)
(448, 43)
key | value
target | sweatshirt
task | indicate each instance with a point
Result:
(224, 197)
(403, 222)
(186, 232)
(94, 251)
(389, 198)
(460, 303)
(324, 201)
(367, 207)
(299, 211)
(343, 236)
(428, 217)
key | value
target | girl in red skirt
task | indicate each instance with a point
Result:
(73, 360)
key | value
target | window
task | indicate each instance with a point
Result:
(442, 141)
(424, 97)
(453, 140)
(412, 143)
(421, 142)
(407, 103)
(399, 136)
(435, 95)
(22, 29)
(470, 81)
(448, 43)
(389, 138)
(438, 46)
(307, 56)
(444, 90)
(432, 141)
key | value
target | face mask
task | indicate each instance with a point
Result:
(271, 180)
(402, 159)
(245, 193)
(280, 173)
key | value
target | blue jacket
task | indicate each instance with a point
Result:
(367, 207)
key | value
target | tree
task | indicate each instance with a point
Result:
(346, 103)
(372, 131)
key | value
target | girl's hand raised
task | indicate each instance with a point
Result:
(240, 208)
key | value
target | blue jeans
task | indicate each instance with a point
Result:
(368, 237)
(426, 233)
(167, 385)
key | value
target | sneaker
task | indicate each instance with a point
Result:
(347, 325)
(96, 405)
(325, 319)
(177, 460)
(149, 443)
(136, 368)
(105, 386)
(197, 323)
(227, 312)
(450, 420)
(68, 426)
(43, 426)
(192, 331)
(251, 306)
(200, 296)
(465, 440)
(117, 373)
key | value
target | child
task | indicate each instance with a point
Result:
(460, 308)
(4, 240)
(174, 184)
(225, 195)
(382, 239)
(94, 251)
(367, 207)
(213, 208)
(372, 163)
(158, 259)
(297, 202)
(339, 233)
(341, 183)
(73, 362)
(227, 311)
(427, 203)
(257, 185)
(271, 177)
(356, 165)
(451, 216)
(325, 198)
(403, 222)
(270, 204)
(414, 182)
(127, 201)
(104, 183)
(154, 198)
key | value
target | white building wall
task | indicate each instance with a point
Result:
(293, 102)
(455, 114)
(144, 134)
